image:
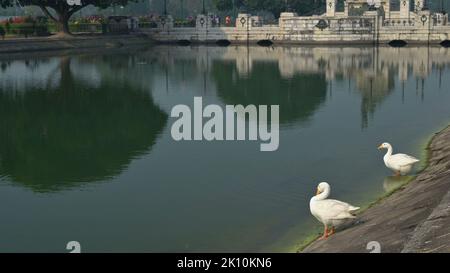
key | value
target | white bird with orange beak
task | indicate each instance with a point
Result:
(329, 212)
(401, 164)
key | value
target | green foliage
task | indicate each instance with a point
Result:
(27, 29)
(63, 10)
(223, 5)
(63, 3)
(184, 23)
(274, 6)
(86, 27)
(307, 7)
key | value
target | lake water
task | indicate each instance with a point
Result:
(86, 152)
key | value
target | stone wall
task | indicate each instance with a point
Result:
(374, 27)
(21, 45)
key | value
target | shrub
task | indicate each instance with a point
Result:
(30, 20)
(2, 32)
(7, 27)
(17, 20)
(41, 30)
(41, 20)
(28, 29)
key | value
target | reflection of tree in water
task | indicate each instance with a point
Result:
(298, 96)
(56, 138)
(374, 90)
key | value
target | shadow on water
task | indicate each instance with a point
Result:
(74, 132)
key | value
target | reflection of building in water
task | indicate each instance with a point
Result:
(374, 88)
(375, 71)
(69, 130)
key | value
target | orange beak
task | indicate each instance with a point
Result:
(318, 191)
(380, 147)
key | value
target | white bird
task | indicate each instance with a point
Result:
(401, 164)
(329, 212)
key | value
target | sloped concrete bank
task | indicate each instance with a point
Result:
(415, 218)
(76, 42)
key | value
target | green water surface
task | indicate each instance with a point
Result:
(86, 152)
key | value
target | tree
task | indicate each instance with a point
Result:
(60, 11)
(274, 6)
(308, 7)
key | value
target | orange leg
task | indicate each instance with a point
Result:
(332, 231)
(325, 233)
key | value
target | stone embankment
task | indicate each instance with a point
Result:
(415, 218)
(75, 42)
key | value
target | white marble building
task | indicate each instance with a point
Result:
(355, 22)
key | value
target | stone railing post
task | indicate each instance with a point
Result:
(331, 8)
(244, 21)
(165, 23)
(202, 22)
(286, 20)
(419, 5)
(424, 19)
(404, 9)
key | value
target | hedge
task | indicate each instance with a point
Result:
(27, 29)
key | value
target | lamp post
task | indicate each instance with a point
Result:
(203, 7)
